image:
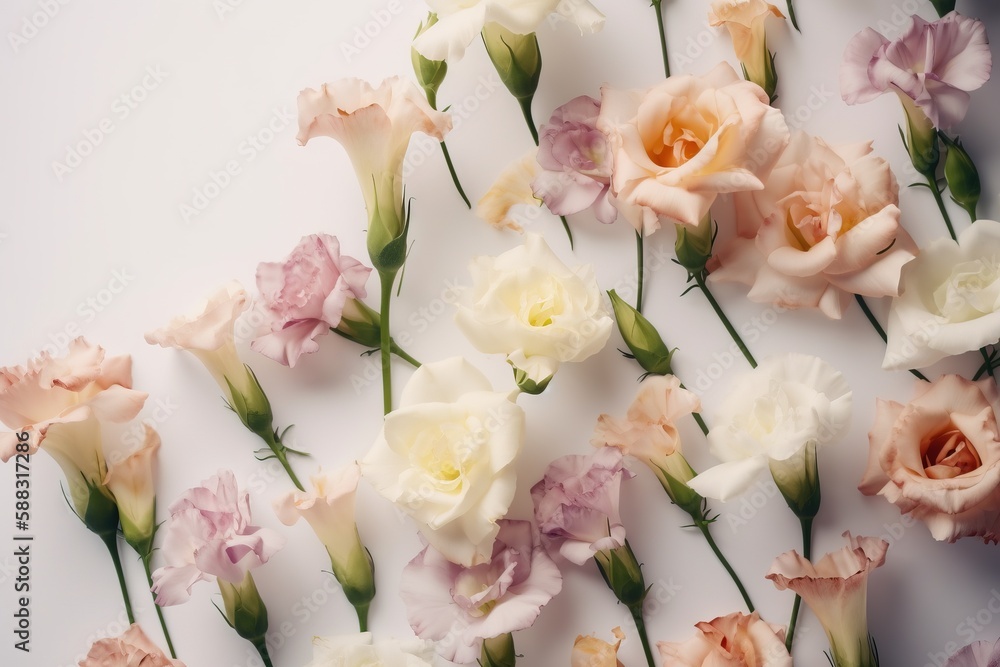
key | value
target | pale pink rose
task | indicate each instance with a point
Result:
(209, 535)
(575, 161)
(61, 405)
(130, 649)
(576, 504)
(649, 430)
(836, 590)
(736, 640)
(935, 65)
(374, 125)
(977, 654)
(826, 226)
(132, 481)
(304, 296)
(679, 144)
(458, 607)
(208, 334)
(937, 458)
(589, 651)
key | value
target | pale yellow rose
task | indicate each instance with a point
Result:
(589, 651)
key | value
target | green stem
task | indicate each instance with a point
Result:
(260, 643)
(454, 174)
(700, 280)
(640, 258)
(791, 15)
(703, 526)
(362, 611)
(386, 344)
(281, 454)
(989, 366)
(881, 332)
(640, 625)
(663, 37)
(159, 611)
(111, 542)
(806, 522)
(932, 184)
(402, 354)
(525, 103)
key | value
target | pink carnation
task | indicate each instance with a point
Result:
(209, 535)
(305, 295)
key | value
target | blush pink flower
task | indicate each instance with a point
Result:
(736, 640)
(130, 649)
(305, 295)
(458, 607)
(826, 226)
(937, 458)
(977, 654)
(575, 161)
(932, 65)
(576, 504)
(209, 536)
(836, 590)
(680, 144)
(61, 404)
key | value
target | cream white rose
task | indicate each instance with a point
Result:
(446, 455)
(360, 651)
(950, 300)
(530, 306)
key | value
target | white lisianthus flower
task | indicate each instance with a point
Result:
(461, 21)
(530, 306)
(950, 300)
(361, 651)
(446, 455)
(774, 414)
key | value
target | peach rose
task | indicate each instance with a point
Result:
(938, 457)
(132, 649)
(736, 640)
(683, 142)
(826, 226)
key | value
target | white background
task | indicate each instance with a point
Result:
(228, 75)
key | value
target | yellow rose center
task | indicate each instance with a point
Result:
(540, 305)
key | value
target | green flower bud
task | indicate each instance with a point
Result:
(622, 573)
(253, 407)
(674, 472)
(921, 139)
(244, 608)
(797, 478)
(641, 337)
(388, 225)
(430, 73)
(517, 59)
(694, 245)
(532, 374)
(943, 6)
(962, 175)
(359, 324)
(498, 652)
(97, 509)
